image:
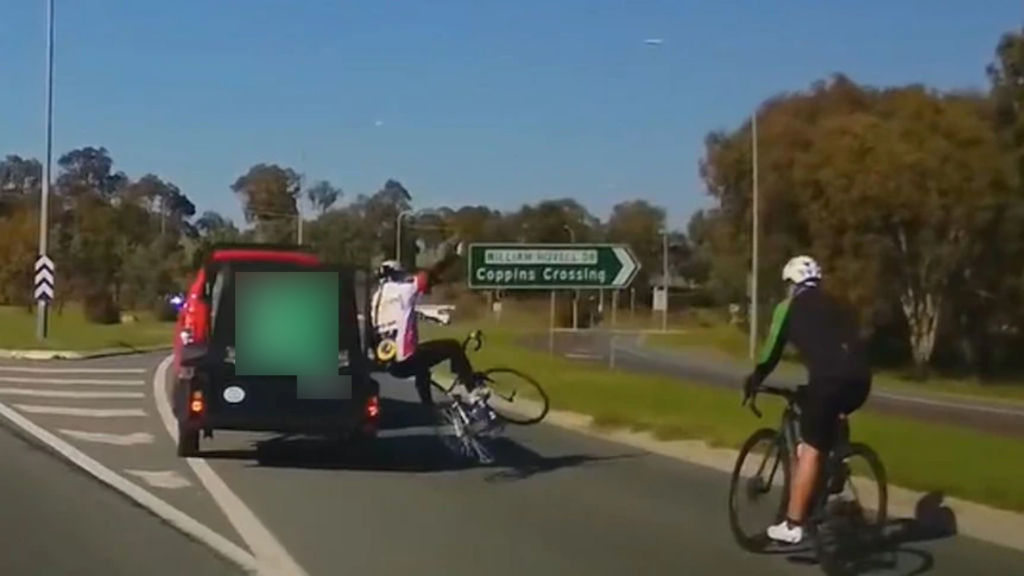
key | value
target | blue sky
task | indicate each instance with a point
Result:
(464, 101)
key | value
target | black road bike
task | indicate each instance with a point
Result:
(512, 398)
(848, 508)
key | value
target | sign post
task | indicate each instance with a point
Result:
(43, 288)
(551, 267)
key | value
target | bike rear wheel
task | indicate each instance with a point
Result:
(762, 464)
(853, 510)
(515, 397)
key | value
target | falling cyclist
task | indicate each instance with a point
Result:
(395, 323)
(839, 379)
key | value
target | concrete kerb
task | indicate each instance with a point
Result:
(993, 525)
(77, 354)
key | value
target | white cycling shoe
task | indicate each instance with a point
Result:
(786, 533)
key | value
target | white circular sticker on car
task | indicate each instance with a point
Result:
(234, 394)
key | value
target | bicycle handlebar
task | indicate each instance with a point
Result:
(476, 337)
(791, 395)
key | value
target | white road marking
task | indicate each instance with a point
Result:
(161, 478)
(269, 552)
(105, 438)
(38, 370)
(71, 381)
(84, 412)
(69, 393)
(170, 514)
(581, 356)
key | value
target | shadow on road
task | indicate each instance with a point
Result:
(408, 443)
(893, 555)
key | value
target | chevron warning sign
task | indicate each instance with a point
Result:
(44, 278)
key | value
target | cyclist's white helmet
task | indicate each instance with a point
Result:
(389, 269)
(800, 270)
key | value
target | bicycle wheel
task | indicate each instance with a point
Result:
(853, 511)
(515, 397)
(458, 439)
(766, 451)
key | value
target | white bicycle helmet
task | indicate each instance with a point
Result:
(800, 270)
(389, 269)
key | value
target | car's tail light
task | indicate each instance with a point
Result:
(373, 407)
(196, 405)
(193, 328)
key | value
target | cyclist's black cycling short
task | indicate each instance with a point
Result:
(822, 404)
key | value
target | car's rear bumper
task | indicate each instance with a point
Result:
(272, 406)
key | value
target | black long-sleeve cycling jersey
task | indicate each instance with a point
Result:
(823, 332)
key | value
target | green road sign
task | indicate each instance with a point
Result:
(550, 266)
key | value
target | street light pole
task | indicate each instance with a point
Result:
(44, 201)
(754, 248)
(576, 293)
(398, 233)
(664, 279)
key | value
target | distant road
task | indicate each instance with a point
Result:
(714, 369)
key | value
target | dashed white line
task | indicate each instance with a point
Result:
(161, 478)
(169, 513)
(40, 370)
(114, 439)
(71, 381)
(84, 412)
(269, 552)
(68, 393)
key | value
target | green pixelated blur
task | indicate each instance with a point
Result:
(286, 324)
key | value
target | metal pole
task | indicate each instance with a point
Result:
(398, 235)
(615, 307)
(576, 293)
(551, 326)
(664, 279)
(754, 247)
(300, 226)
(44, 202)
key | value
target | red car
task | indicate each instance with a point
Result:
(206, 393)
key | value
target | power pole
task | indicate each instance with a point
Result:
(754, 247)
(44, 201)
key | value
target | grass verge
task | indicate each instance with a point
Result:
(918, 455)
(71, 331)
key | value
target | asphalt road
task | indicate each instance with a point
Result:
(56, 520)
(555, 502)
(713, 369)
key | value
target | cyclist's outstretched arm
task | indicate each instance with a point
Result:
(778, 334)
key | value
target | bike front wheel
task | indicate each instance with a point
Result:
(854, 510)
(759, 488)
(515, 397)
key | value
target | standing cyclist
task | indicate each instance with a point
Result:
(839, 379)
(394, 318)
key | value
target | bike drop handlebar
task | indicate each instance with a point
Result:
(790, 394)
(476, 337)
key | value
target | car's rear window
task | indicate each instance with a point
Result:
(217, 279)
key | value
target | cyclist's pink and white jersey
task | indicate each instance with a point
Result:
(393, 313)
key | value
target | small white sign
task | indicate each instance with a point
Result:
(660, 299)
(234, 394)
